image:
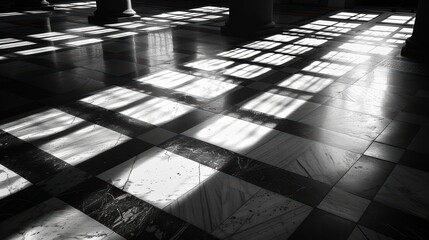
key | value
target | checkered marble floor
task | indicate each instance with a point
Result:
(165, 129)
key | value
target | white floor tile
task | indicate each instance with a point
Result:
(65, 136)
(158, 176)
(231, 133)
(138, 105)
(10, 182)
(53, 219)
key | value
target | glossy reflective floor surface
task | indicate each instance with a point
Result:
(165, 129)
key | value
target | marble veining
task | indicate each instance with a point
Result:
(211, 203)
(199, 151)
(281, 149)
(266, 215)
(323, 163)
(158, 176)
(53, 219)
(305, 157)
(126, 214)
(261, 174)
(10, 182)
(231, 133)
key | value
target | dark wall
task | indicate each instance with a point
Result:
(387, 3)
(5, 4)
(369, 3)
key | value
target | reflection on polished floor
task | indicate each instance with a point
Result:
(165, 129)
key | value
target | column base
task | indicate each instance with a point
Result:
(414, 51)
(242, 32)
(104, 20)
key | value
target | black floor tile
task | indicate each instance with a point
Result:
(12, 104)
(394, 223)
(64, 82)
(26, 91)
(99, 76)
(21, 201)
(418, 106)
(415, 160)
(322, 225)
(21, 70)
(106, 204)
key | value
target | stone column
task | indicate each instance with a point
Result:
(113, 11)
(417, 46)
(249, 18)
(33, 5)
